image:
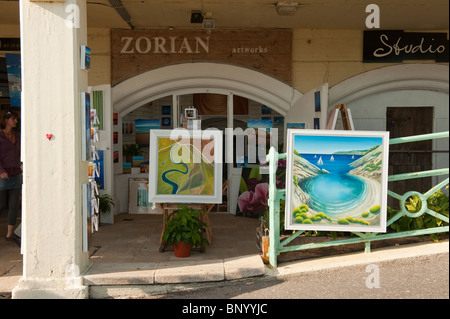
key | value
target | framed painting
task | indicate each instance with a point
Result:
(190, 113)
(185, 166)
(336, 180)
(142, 127)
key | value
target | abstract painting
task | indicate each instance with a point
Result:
(185, 167)
(336, 180)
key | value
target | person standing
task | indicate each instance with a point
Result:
(10, 171)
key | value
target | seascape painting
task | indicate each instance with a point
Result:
(142, 127)
(14, 71)
(186, 170)
(337, 180)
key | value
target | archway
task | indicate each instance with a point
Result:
(432, 77)
(203, 77)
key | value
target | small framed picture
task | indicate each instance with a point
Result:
(165, 109)
(85, 63)
(166, 121)
(265, 109)
(190, 113)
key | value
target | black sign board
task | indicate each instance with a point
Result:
(396, 46)
(9, 44)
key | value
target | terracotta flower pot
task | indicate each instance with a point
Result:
(182, 250)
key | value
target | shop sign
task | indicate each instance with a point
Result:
(9, 44)
(171, 45)
(138, 51)
(396, 46)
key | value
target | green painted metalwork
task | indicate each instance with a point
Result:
(275, 195)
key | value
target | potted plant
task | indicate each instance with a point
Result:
(104, 203)
(184, 230)
(130, 150)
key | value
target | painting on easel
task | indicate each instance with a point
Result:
(185, 168)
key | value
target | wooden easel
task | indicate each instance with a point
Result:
(168, 208)
(346, 117)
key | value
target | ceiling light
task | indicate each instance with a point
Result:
(287, 8)
(196, 16)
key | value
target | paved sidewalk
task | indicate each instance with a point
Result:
(361, 258)
(174, 272)
(125, 256)
(10, 261)
(144, 281)
(127, 252)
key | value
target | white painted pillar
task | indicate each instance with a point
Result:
(229, 146)
(53, 171)
(175, 110)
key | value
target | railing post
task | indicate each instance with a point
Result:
(274, 210)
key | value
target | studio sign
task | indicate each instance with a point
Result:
(396, 46)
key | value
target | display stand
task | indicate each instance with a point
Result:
(93, 173)
(346, 117)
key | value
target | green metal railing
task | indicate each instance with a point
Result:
(275, 195)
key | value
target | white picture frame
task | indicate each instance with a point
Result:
(85, 61)
(171, 184)
(85, 126)
(190, 113)
(86, 214)
(336, 180)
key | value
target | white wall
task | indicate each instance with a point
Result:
(369, 113)
(408, 85)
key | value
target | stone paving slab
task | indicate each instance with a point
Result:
(121, 274)
(174, 271)
(243, 266)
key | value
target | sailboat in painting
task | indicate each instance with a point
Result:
(320, 162)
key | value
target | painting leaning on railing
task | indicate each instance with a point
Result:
(419, 213)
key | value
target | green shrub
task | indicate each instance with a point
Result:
(438, 202)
